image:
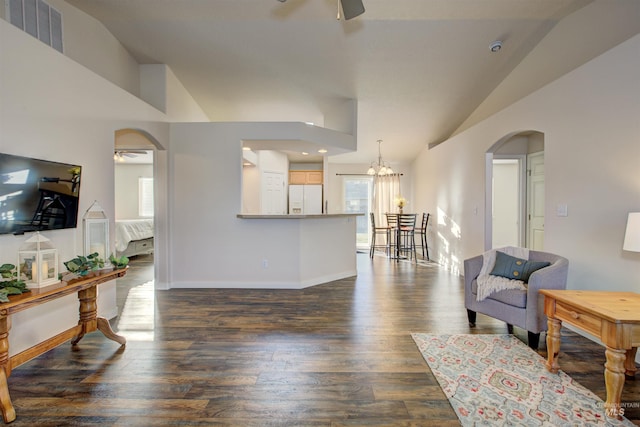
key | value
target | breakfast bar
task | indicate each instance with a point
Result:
(319, 248)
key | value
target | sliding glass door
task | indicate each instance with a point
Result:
(358, 193)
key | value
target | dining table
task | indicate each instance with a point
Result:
(402, 226)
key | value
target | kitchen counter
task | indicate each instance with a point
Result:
(297, 216)
(296, 251)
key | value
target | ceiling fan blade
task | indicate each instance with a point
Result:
(352, 8)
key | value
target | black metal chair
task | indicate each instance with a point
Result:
(422, 232)
(406, 243)
(376, 230)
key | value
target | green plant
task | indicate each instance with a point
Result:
(119, 262)
(10, 284)
(82, 265)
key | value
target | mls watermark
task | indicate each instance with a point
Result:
(618, 411)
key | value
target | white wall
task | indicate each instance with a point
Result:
(126, 188)
(589, 119)
(160, 88)
(88, 42)
(506, 204)
(209, 245)
(251, 189)
(71, 121)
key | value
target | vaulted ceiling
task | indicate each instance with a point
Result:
(418, 70)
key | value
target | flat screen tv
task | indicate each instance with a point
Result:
(37, 195)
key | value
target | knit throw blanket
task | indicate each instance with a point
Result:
(488, 284)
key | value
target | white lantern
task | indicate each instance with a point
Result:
(38, 262)
(96, 232)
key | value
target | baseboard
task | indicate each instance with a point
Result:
(264, 285)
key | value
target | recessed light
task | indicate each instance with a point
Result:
(322, 150)
(304, 153)
(246, 148)
(495, 46)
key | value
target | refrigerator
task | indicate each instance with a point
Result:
(305, 199)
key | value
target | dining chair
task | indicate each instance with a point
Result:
(392, 219)
(378, 230)
(406, 243)
(422, 232)
(392, 223)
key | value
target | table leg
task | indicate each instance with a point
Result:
(89, 320)
(630, 363)
(8, 411)
(105, 328)
(614, 380)
(553, 344)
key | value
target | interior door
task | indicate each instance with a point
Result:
(273, 195)
(535, 201)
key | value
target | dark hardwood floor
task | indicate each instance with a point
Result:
(338, 354)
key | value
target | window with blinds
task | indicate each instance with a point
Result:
(39, 19)
(145, 197)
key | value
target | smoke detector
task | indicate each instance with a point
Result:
(495, 46)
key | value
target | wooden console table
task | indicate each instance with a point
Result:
(89, 322)
(613, 317)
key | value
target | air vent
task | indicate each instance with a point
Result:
(37, 18)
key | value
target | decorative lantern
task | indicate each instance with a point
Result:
(96, 232)
(38, 262)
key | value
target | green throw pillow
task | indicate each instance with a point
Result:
(515, 268)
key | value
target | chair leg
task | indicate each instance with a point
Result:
(413, 247)
(533, 340)
(510, 329)
(426, 247)
(373, 244)
(388, 243)
(471, 315)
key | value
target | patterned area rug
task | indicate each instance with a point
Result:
(498, 380)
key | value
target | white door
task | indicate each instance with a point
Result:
(273, 196)
(535, 202)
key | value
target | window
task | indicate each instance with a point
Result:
(38, 19)
(145, 197)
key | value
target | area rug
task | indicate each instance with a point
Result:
(498, 380)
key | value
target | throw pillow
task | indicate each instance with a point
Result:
(515, 268)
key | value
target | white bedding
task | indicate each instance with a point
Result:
(128, 230)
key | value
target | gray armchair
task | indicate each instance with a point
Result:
(522, 308)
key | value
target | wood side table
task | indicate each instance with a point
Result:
(88, 321)
(613, 317)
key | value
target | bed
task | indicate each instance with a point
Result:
(134, 237)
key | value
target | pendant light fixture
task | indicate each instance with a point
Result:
(381, 168)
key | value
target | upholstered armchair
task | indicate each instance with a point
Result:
(523, 308)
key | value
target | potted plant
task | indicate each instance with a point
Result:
(119, 262)
(83, 265)
(10, 283)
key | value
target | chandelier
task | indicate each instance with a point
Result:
(380, 168)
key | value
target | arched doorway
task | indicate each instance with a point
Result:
(140, 194)
(514, 191)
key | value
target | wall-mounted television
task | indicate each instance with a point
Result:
(37, 195)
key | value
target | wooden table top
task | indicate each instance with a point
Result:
(38, 295)
(618, 307)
